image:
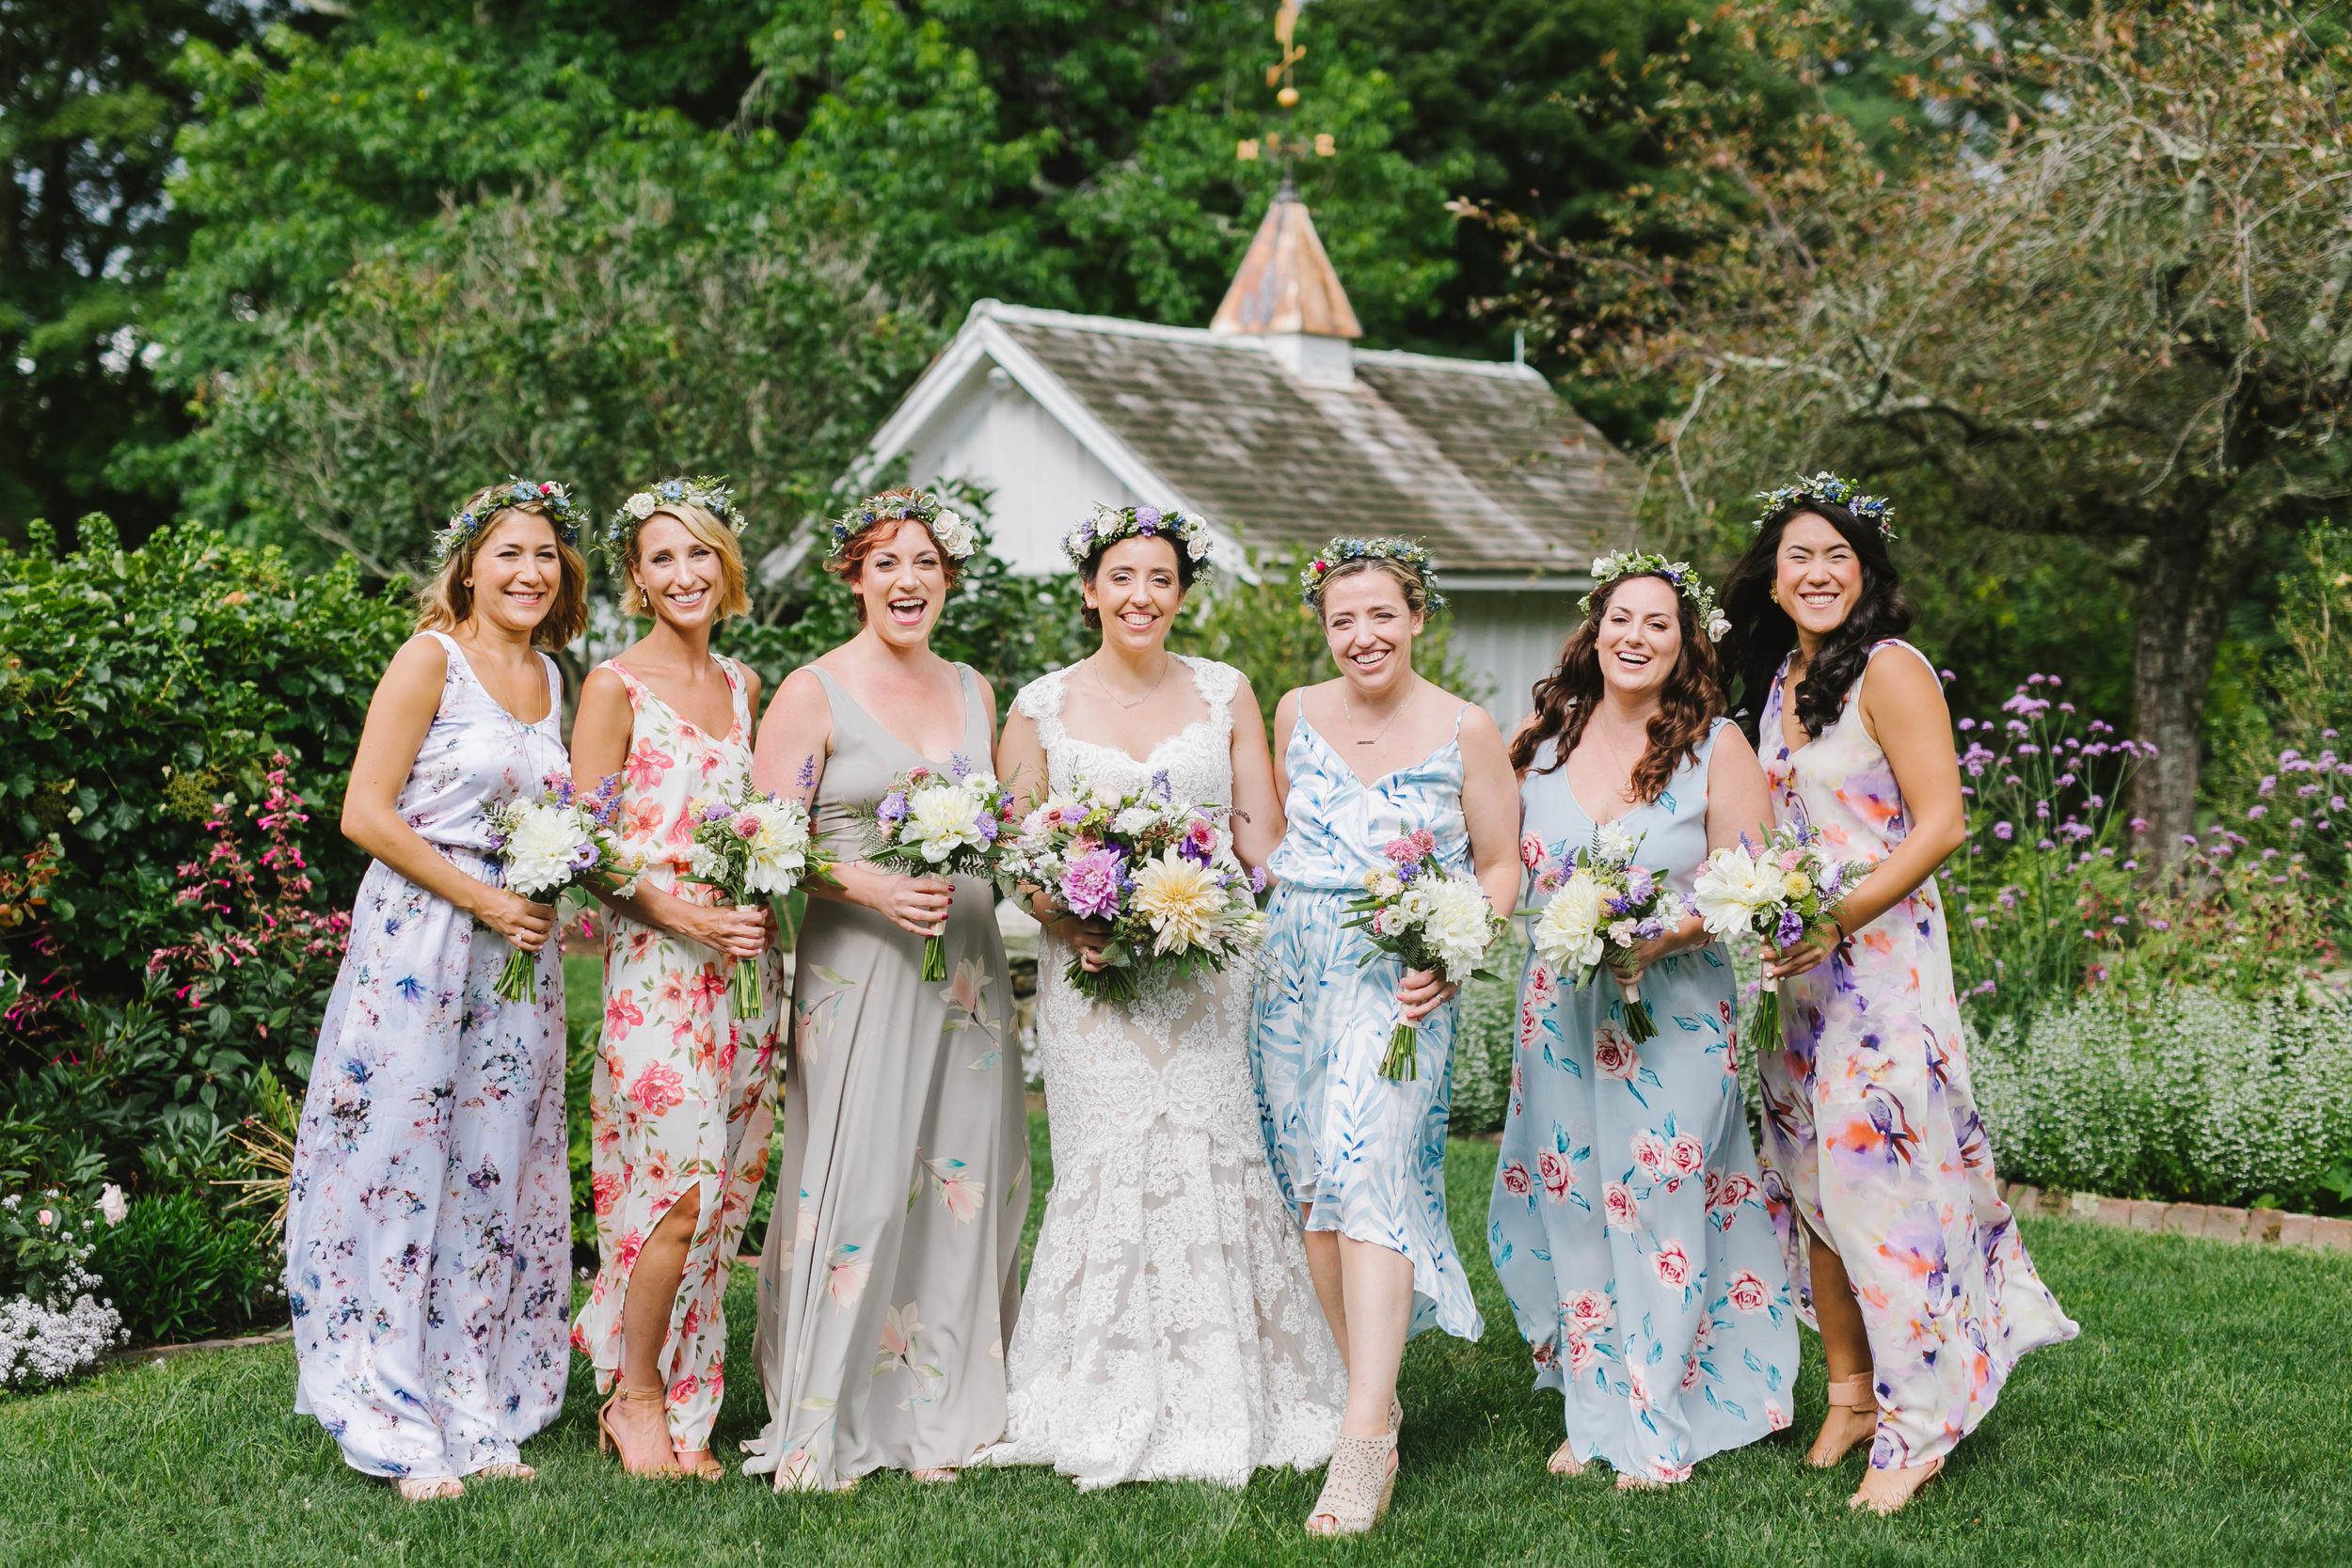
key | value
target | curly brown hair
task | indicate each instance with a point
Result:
(1687, 708)
(850, 564)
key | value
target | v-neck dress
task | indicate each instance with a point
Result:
(1627, 1222)
(890, 1278)
(1872, 1140)
(1367, 1153)
(682, 1095)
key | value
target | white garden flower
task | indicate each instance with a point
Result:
(1134, 819)
(956, 536)
(1181, 901)
(1198, 546)
(1567, 934)
(1718, 626)
(779, 849)
(640, 505)
(943, 818)
(112, 1206)
(1460, 924)
(1615, 841)
(541, 854)
(1732, 886)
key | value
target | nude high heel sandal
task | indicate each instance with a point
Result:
(1849, 1393)
(1357, 1486)
(607, 1437)
(1883, 1499)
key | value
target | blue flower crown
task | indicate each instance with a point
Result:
(1826, 486)
(708, 491)
(1107, 524)
(488, 503)
(1413, 556)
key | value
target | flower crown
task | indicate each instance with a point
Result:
(1108, 524)
(1826, 486)
(707, 491)
(1405, 552)
(956, 536)
(1632, 564)
(517, 491)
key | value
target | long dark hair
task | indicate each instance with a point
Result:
(1687, 707)
(1762, 633)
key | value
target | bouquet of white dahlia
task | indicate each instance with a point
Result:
(933, 824)
(1601, 903)
(1161, 872)
(1779, 893)
(754, 847)
(563, 839)
(1414, 912)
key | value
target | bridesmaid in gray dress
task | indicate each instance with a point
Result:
(889, 1280)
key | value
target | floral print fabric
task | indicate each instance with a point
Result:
(682, 1092)
(1872, 1141)
(1367, 1153)
(1627, 1222)
(428, 1220)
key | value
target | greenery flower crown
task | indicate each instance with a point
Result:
(517, 491)
(1827, 487)
(1633, 564)
(1108, 524)
(1405, 552)
(956, 536)
(707, 491)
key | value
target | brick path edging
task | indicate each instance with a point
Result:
(2260, 1227)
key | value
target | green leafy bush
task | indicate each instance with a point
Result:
(177, 1269)
(1485, 1040)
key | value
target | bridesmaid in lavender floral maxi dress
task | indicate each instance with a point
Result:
(428, 1223)
(1903, 1251)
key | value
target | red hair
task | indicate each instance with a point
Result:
(848, 564)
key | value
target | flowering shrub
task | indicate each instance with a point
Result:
(50, 1326)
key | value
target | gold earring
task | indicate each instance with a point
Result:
(1772, 593)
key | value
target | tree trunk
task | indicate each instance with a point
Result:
(2185, 588)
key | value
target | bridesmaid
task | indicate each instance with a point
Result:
(428, 1221)
(681, 1098)
(1628, 1221)
(890, 1279)
(1901, 1245)
(1361, 1158)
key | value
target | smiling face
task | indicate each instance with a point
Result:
(515, 572)
(1639, 640)
(1137, 589)
(1370, 631)
(678, 576)
(1816, 575)
(902, 585)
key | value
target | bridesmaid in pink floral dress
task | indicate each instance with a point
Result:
(1903, 1252)
(682, 1100)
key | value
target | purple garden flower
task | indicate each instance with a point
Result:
(1791, 929)
(718, 811)
(893, 807)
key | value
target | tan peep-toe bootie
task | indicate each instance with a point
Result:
(1357, 1486)
(1849, 1393)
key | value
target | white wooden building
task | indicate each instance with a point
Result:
(1279, 432)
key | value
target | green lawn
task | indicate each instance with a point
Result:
(2199, 1420)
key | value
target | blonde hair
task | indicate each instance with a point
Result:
(445, 602)
(1408, 581)
(708, 527)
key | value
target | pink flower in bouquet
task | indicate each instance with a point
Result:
(1091, 885)
(1201, 839)
(745, 826)
(1401, 851)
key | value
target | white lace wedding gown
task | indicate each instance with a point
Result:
(1169, 1328)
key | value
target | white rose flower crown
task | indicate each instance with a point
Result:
(1631, 563)
(708, 491)
(956, 536)
(1108, 524)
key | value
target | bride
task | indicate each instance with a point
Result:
(1169, 1328)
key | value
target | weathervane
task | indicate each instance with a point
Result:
(1278, 144)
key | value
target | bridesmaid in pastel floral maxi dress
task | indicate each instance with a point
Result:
(682, 1097)
(1900, 1245)
(428, 1218)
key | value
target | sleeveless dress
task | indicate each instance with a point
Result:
(682, 1089)
(1872, 1131)
(1368, 1152)
(428, 1217)
(1627, 1222)
(891, 1271)
(1171, 1329)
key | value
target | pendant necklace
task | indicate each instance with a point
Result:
(1165, 661)
(1350, 708)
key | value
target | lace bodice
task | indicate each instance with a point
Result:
(1197, 759)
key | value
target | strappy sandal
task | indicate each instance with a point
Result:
(426, 1489)
(1396, 1413)
(607, 1437)
(1851, 1393)
(704, 1467)
(508, 1469)
(1564, 1461)
(1885, 1506)
(1357, 1486)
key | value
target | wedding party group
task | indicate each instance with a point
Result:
(1247, 1002)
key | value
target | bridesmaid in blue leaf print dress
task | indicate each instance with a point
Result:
(1628, 1221)
(428, 1220)
(1367, 758)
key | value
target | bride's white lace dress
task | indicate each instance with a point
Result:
(1169, 1328)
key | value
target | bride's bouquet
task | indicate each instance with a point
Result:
(934, 824)
(1601, 903)
(1414, 912)
(563, 839)
(1163, 874)
(755, 846)
(1779, 893)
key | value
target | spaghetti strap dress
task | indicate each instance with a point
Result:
(428, 1212)
(890, 1278)
(1872, 1140)
(1627, 1222)
(683, 1094)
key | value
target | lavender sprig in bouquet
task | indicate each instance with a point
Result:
(931, 823)
(1161, 871)
(752, 847)
(1413, 910)
(1601, 903)
(563, 839)
(1777, 893)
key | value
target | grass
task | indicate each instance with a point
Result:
(2197, 1420)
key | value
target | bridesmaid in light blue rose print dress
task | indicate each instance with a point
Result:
(1627, 1222)
(428, 1224)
